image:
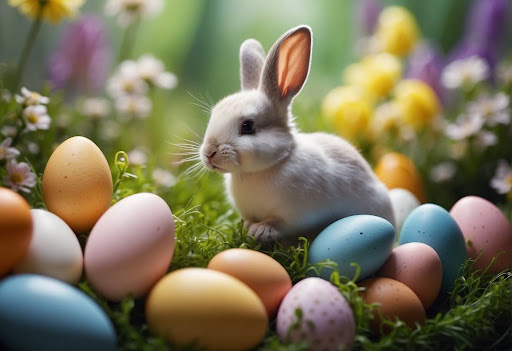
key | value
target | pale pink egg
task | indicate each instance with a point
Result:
(318, 313)
(130, 247)
(418, 266)
(485, 229)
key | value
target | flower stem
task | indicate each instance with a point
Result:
(128, 42)
(29, 44)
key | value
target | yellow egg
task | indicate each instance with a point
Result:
(77, 183)
(260, 272)
(396, 170)
(15, 229)
(206, 307)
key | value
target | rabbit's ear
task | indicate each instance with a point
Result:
(287, 65)
(252, 58)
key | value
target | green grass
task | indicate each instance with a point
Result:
(475, 316)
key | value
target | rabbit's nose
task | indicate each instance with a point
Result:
(210, 155)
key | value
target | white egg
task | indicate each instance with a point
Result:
(403, 202)
(54, 250)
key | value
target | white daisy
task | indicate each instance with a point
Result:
(163, 178)
(130, 10)
(137, 157)
(502, 180)
(484, 139)
(31, 98)
(36, 117)
(126, 81)
(95, 108)
(466, 72)
(464, 127)
(6, 151)
(443, 172)
(138, 106)
(19, 176)
(9, 131)
(152, 71)
(493, 109)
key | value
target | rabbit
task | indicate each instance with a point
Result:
(279, 179)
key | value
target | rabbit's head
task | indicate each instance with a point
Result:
(251, 131)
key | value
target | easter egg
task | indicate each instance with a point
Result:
(260, 272)
(432, 225)
(364, 239)
(77, 183)
(211, 309)
(396, 301)
(131, 247)
(15, 229)
(486, 230)
(396, 170)
(418, 266)
(42, 313)
(319, 314)
(403, 202)
(54, 250)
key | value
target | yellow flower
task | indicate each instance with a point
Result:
(397, 31)
(376, 74)
(418, 102)
(348, 110)
(52, 10)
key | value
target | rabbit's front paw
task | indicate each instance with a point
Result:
(264, 231)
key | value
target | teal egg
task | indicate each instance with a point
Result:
(42, 313)
(362, 239)
(433, 225)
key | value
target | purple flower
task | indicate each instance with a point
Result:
(484, 31)
(426, 64)
(82, 60)
(367, 14)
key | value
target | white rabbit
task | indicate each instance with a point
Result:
(277, 177)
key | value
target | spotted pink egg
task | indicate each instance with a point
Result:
(315, 311)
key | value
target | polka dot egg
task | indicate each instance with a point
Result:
(315, 311)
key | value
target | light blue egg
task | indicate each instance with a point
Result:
(363, 239)
(433, 225)
(42, 313)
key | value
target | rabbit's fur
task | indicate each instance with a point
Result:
(277, 177)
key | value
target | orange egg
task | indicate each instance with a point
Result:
(396, 170)
(15, 229)
(396, 301)
(264, 275)
(77, 183)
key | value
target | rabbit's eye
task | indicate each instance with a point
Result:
(248, 127)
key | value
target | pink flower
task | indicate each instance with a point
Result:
(19, 176)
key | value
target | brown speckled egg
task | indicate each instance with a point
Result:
(15, 229)
(418, 266)
(396, 301)
(77, 183)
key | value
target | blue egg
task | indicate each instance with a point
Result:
(362, 239)
(433, 225)
(42, 313)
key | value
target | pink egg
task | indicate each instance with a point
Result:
(130, 247)
(326, 317)
(418, 266)
(485, 229)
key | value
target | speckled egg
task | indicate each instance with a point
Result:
(15, 229)
(432, 225)
(131, 247)
(320, 315)
(54, 250)
(209, 308)
(77, 183)
(418, 266)
(396, 301)
(396, 170)
(260, 272)
(403, 202)
(486, 230)
(43, 313)
(364, 239)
